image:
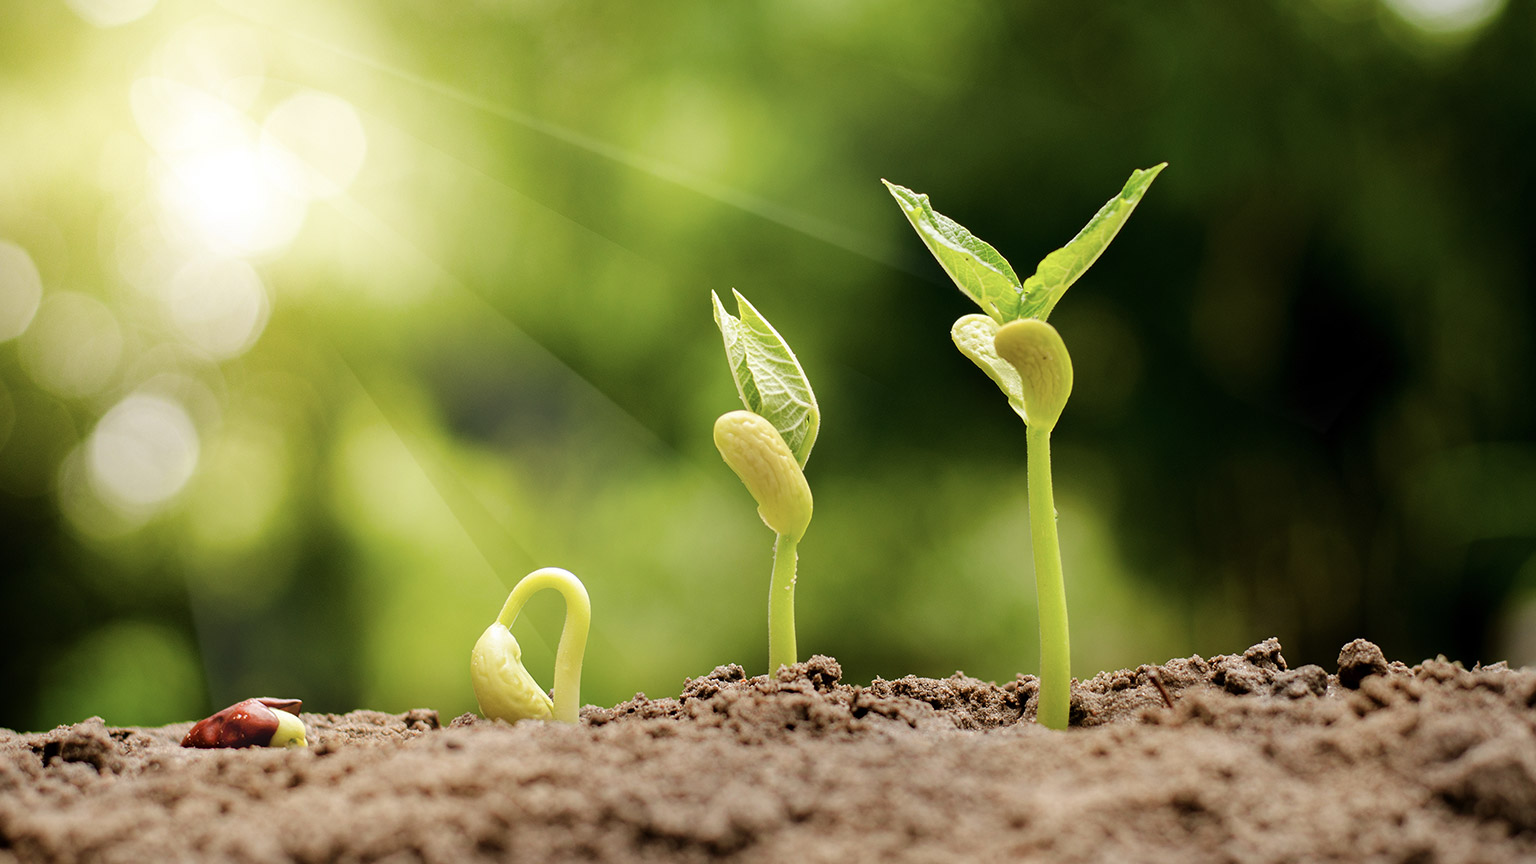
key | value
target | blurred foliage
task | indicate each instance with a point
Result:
(321, 324)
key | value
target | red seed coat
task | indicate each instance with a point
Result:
(251, 723)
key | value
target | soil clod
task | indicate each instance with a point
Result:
(1359, 659)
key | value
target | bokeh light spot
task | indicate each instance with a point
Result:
(111, 13)
(21, 290)
(218, 304)
(74, 345)
(228, 199)
(212, 181)
(1446, 16)
(313, 144)
(142, 452)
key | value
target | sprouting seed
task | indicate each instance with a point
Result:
(502, 685)
(259, 722)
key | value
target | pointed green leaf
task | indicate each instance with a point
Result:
(1061, 268)
(983, 274)
(768, 377)
(974, 336)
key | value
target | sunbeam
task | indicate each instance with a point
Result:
(506, 553)
(395, 243)
(796, 220)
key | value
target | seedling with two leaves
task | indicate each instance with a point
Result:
(1028, 360)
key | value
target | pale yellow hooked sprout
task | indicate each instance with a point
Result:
(503, 686)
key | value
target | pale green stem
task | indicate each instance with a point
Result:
(1050, 591)
(781, 605)
(573, 633)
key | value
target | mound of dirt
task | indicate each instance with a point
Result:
(1235, 758)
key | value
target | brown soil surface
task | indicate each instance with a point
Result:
(1253, 761)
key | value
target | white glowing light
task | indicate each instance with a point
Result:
(314, 145)
(219, 305)
(21, 289)
(111, 13)
(142, 452)
(73, 346)
(228, 199)
(212, 181)
(1447, 16)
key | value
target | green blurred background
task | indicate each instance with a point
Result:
(321, 324)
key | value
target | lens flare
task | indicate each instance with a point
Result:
(226, 197)
(211, 179)
(313, 145)
(74, 346)
(21, 290)
(217, 304)
(142, 452)
(1447, 17)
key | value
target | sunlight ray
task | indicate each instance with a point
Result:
(633, 256)
(396, 243)
(507, 555)
(809, 225)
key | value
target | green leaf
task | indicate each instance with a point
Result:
(974, 335)
(983, 274)
(1061, 268)
(768, 376)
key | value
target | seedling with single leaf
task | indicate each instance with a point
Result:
(1028, 360)
(767, 446)
(503, 686)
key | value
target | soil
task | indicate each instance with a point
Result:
(1235, 758)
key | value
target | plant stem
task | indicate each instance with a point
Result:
(781, 605)
(573, 633)
(1050, 591)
